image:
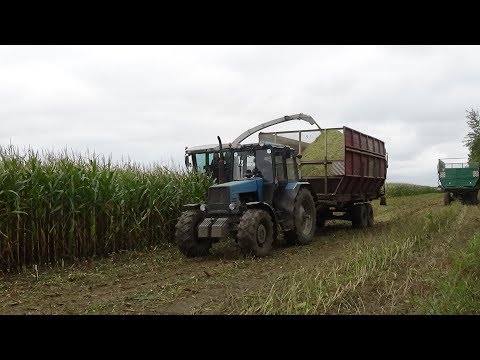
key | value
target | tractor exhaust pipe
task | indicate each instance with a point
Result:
(221, 163)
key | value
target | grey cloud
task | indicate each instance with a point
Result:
(149, 102)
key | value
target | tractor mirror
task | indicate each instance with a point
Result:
(299, 156)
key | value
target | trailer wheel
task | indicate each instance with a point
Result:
(186, 234)
(255, 232)
(304, 214)
(369, 211)
(471, 198)
(447, 199)
(359, 216)
(320, 222)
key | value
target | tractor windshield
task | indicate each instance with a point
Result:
(247, 164)
(208, 162)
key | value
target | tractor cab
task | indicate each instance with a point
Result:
(258, 171)
(206, 159)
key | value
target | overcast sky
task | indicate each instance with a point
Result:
(149, 102)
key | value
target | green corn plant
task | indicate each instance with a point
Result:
(65, 206)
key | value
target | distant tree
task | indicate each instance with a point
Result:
(472, 139)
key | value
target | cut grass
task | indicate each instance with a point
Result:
(388, 277)
(458, 290)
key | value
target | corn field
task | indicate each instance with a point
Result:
(58, 208)
(402, 189)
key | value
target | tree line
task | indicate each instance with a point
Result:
(472, 139)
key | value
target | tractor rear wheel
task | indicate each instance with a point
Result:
(447, 199)
(359, 216)
(255, 232)
(304, 214)
(186, 234)
(369, 208)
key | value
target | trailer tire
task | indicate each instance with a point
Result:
(472, 198)
(255, 233)
(305, 218)
(447, 199)
(320, 222)
(186, 234)
(370, 218)
(359, 216)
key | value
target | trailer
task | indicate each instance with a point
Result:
(459, 179)
(354, 173)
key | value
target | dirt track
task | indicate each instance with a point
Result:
(164, 282)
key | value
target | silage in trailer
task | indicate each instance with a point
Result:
(316, 152)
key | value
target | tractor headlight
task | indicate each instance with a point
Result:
(203, 207)
(231, 206)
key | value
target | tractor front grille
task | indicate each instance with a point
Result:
(218, 199)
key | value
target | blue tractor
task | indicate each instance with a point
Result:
(258, 195)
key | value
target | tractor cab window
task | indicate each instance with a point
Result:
(263, 163)
(279, 165)
(213, 167)
(247, 164)
(243, 165)
(291, 168)
(200, 162)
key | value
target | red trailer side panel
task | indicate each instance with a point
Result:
(365, 170)
(365, 165)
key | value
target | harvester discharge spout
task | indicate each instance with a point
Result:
(253, 130)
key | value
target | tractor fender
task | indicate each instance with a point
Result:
(285, 202)
(286, 199)
(265, 206)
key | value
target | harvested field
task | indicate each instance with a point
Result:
(420, 257)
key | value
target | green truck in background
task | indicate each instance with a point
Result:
(459, 179)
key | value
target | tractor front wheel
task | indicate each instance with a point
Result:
(186, 234)
(255, 232)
